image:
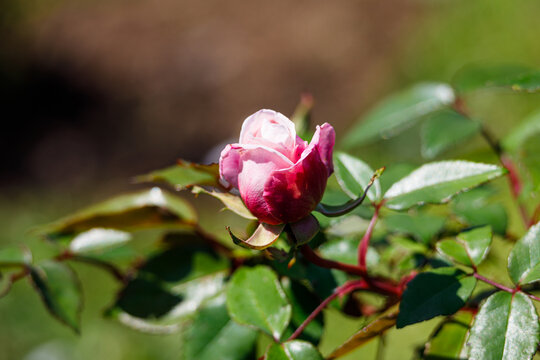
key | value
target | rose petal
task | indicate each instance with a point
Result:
(229, 166)
(257, 165)
(325, 138)
(294, 192)
(301, 146)
(272, 129)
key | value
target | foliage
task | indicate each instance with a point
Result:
(419, 257)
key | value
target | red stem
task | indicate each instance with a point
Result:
(507, 163)
(515, 186)
(534, 297)
(364, 243)
(377, 284)
(493, 283)
(504, 288)
(339, 291)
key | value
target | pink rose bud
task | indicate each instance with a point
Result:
(281, 177)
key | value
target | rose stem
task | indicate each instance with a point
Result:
(513, 175)
(364, 243)
(339, 291)
(493, 283)
(380, 285)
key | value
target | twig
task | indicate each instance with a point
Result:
(364, 243)
(377, 284)
(515, 186)
(507, 163)
(494, 284)
(534, 297)
(339, 291)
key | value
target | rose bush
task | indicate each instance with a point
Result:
(281, 178)
(415, 257)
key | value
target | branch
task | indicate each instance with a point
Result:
(513, 174)
(493, 283)
(515, 186)
(364, 243)
(379, 285)
(339, 291)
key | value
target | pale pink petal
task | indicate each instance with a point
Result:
(257, 164)
(272, 129)
(229, 165)
(324, 139)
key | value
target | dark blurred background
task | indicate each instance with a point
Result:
(95, 92)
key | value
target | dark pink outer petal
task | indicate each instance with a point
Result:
(325, 138)
(293, 193)
(257, 166)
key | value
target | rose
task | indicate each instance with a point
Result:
(281, 178)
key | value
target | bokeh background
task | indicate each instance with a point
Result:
(95, 92)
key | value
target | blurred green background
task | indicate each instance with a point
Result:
(95, 92)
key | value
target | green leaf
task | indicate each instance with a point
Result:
(263, 237)
(353, 175)
(255, 297)
(393, 173)
(372, 330)
(449, 339)
(515, 77)
(441, 291)
(144, 298)
(470, 248)
(474, 208)
(98, 240)
(213, 334)
(15, 256)
(173, 305)
(293, 350)
(231, 201)
(184, 174)
(60, 290)
(524, 260)
(505, 328)
(445, 129)
(525, 130)
(123, 254)
(422, 226)
(400, 111)
(147, 208)
(438, 182)
(171, 285)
